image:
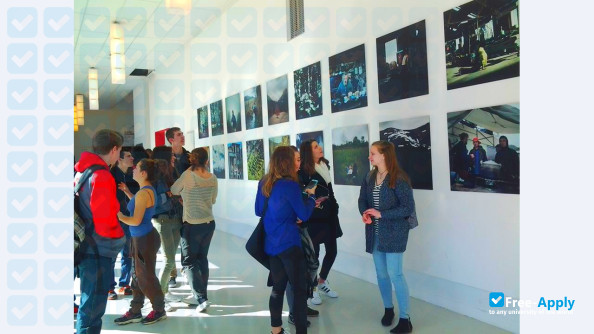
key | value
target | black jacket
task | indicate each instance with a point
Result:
(132, 185)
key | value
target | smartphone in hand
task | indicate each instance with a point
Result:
(311, 184)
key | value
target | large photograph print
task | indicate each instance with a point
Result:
(255, 159)
(412, 140)
(216, 118)
(218, 161)
(348, 79)
(275, 142)
(350, 151)
(485, 149)
(235, 161)
(318, 136)
(233, 111)
(277, 95)
(402, 63)
(202, 122)
(482, 42)
(253, 107)
(308, 91)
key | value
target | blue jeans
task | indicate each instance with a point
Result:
(388, 267)
(126, 261)
(95, 280)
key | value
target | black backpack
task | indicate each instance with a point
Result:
(83, 229)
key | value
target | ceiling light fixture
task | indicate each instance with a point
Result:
(185, 5)
(118, 58)
(75, 120)
(93, 89)
(80, 109)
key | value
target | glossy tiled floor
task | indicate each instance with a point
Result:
(239, 297)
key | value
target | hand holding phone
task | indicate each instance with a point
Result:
(312, 184)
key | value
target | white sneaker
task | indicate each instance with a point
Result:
(325, 288)
(202, 306)
(190, 300)
(168, 307)
(169, 297)
(316, 300)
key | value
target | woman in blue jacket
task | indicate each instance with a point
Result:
(281, 194)
(385, 202)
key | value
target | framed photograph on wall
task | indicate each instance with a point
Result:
(255, 159)
(233, 111)
(485, 149)
(216, 118)
(318, 136)
(350, 150)
(482, 42)
(253, 107)
(235, 161)
(348, 79)
(218, 161)
(275, 142)
(308, 91)
(412, 140)
(402, 63)
(277, 95)
(202, 122)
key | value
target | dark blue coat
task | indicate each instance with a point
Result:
(395, 206)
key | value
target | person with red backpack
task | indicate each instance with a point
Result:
(98, 207)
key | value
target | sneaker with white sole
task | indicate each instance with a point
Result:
(202, 306)
(128, 318)
(190, 300)
(325, 288)
(316, 299)
(168, 307)
(169, 297)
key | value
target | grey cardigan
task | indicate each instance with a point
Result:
(395, 206)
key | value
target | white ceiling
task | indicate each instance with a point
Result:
(146, 23)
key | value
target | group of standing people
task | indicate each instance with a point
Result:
(296, 199)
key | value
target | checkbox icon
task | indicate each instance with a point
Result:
(136, 56)
(496, 299)
(21, 130)
(93, 55)
(317, 22)
(204, 91)
(22, 238)
(58, 131)
(278, 58)
(275, 22)
(21, 274)
(21, 22)
(204, 21)
(385, 20)
(170, 22)
(21, 166)
(206, 58)
(242, 58)
(58, 58)
(58, 22)
(58, 274)
(133, 21)
(58, 202)
(58, 166)
(22, 203)
(57, 238)
(22, 94)
(310, 53)
(242, 22)
(58, 94)
(171, 119)
(58, 310)
(170, 57)
(169, 94)
(21, 58)
(21, 311)
(351, 22)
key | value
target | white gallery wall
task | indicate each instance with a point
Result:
(467, 244)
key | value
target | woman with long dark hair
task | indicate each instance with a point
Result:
(280, 194)
(198, 189)
(385, 202)
(323, 225)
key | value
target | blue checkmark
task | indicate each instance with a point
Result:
(136, 56)
(204, 91)
(21, 58)
(242, 58)
(386, 20)
(169, 120)
(169, 94)
(22, 94)
(57, 131)
(94, 55)
(133, 20)
(206, 58)
(58, 94)
(242, 22)
(310, 53)
(21, 311)
(58, 274)
(351, 22)
(58, 58)
(278, 58)
(57, 202)
(22, 238)
(21, 22)
(170, 23)
(96, 23)
(21, 130)
(496, 299)
(170, 58)
(21, 166)
(57, 310)
(22, 203)
(205, 22)
(21, 274)
(57, 238)
(58, 166)
(58, 22)
(238, 85)
(275, 22)
(317, 22)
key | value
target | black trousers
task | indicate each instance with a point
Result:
(144, 279)
(331, 252)
(195, 242)
(288, 266)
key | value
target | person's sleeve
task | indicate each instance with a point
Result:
(103, 202)
(215, 192)
(497, 158)
(407, 202)
(178, 186)
(363, 196)
(259, 205)
(302, 208)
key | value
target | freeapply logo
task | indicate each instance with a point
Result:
(509, 305)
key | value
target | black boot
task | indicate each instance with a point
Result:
(404, 326)
(388, 317)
